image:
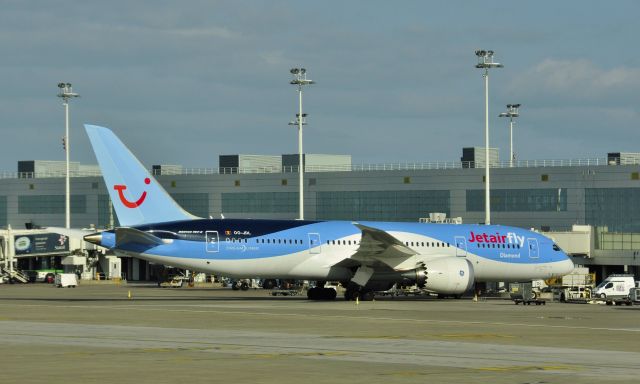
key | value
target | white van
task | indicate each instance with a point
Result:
(614, 287)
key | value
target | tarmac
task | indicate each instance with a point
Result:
(137, 333)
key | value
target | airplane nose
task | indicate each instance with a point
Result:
(566, 267)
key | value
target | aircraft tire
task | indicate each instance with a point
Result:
(312, 293)
(269, 284)
(234, 286)
(244, 286)
(317, 293)
(366, 295)
(350, 294)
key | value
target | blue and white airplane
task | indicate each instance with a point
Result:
(365, 256)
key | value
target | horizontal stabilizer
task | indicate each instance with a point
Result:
(126, 236)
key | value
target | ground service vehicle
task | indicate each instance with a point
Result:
(615, 287)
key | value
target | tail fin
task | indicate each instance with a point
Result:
(137, 197)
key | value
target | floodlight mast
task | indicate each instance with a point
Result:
(66, 93)
(512, 112)
(485, 61)
(300, 79)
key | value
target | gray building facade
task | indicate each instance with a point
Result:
(546, 196)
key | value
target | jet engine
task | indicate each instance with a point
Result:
(448, 275)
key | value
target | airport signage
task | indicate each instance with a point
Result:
(42, 243)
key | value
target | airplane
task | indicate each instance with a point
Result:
(365, 256)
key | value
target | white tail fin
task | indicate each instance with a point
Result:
(137, 197)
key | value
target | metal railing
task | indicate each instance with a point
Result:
(400, 166)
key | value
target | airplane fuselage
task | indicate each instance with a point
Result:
(321, 250)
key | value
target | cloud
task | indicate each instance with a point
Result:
(576, 81)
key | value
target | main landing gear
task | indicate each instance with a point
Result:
(319, 293)
(355, 291)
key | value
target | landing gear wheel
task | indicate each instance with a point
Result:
(366, 295)
(234, 286)
(268, 284)
(244, 286)
(312, 293)
(351, 294)
(318, 293)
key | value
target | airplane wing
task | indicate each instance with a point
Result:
(380, 247)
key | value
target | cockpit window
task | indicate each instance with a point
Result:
(556, 248)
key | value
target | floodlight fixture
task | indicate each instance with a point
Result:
(512, 112)
(300, 79)
(485, 61)
(66, 93)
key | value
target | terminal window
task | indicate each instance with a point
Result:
(618, 209)
(50, 204)
(3, 211)
(381, 205)
(519, 200)
(194, 203)
(260, 202)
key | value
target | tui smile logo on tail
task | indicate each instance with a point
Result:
(131, 204)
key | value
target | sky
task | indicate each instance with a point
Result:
(182, 82)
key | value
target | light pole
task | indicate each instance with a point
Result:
(512, 111)
(300, 79)
(485, 61)
(66, 93)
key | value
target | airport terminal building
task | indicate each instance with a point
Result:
(591, 207)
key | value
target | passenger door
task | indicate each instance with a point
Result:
(314, 243)
(212, 244)
(533, 248)
(461, 246)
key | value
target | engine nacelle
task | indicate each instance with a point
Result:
(449, 275)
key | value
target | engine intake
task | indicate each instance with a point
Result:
(449, 275)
